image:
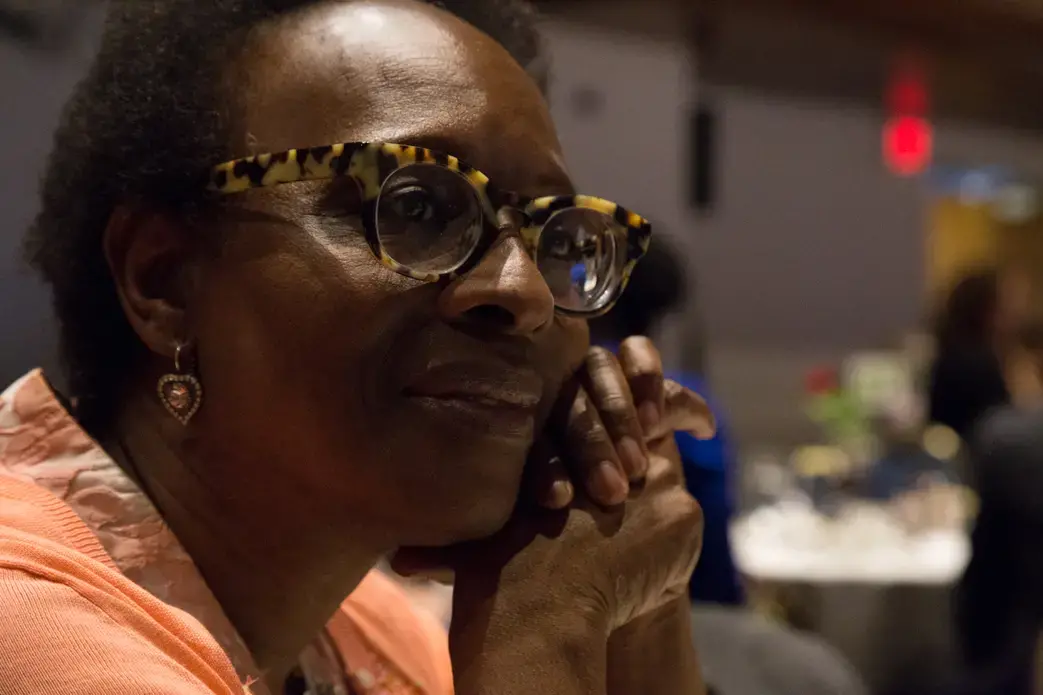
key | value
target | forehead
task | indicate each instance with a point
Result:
(396, 71)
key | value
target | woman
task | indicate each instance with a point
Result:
(975, 331)
(293, 362)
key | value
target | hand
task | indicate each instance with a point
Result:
(543, 596)
(614, 563)
(611, 406)
(604, 422)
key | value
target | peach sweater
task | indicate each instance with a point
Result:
(97, 597)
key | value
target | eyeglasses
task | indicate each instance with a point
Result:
(431, 217)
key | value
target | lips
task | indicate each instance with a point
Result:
(493, 385)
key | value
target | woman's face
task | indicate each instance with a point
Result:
(357, 392)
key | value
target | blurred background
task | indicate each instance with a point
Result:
(823, 173)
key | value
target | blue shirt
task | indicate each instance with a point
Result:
(708, 467)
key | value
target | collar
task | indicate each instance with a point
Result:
(41, 443)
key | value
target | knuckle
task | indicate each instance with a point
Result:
(591, 433)
(642, 371)
(638, 343)
(616, 404)
(664, 473)
(599, 358)
(682, 509)
(640, 349)
(683, 518)
(672, 389)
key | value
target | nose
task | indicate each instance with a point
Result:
(505, 292)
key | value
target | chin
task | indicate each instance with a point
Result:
(462, 487)
(484, 520)
(458, 518)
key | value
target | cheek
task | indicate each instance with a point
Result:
(576, 338)
(566, 352)
(286, 341)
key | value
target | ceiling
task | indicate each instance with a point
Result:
(983, 58)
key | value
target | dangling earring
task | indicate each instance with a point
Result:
(181, 393)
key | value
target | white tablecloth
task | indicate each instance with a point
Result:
(879, 594)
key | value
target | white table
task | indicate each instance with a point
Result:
(879, 594)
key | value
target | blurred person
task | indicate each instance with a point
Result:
(285, 364)
(657, 287)
(1000, 610)
(974, 334)
(999, 600)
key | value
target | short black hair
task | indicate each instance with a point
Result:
(658, 285)
(144, 124)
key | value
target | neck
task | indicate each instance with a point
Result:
(278, 566)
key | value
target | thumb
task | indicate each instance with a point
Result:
(685, 411)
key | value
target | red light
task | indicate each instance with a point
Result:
(908, 145)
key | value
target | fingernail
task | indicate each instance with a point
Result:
(648, 413)
(634, 462)
(560, 494)
(609, 486)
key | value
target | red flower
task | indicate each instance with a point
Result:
(821, 380)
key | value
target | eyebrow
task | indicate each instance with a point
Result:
(438, 143)
(546, 182)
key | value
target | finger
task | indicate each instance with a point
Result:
(607, 386)
(546, 480)
(685, 411)
(591, 455)
(643, 368)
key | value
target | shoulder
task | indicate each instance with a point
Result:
(1009, 432)
(1006, 453)
(74, 624)
(28, 510)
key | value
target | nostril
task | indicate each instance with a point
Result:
(491, 315)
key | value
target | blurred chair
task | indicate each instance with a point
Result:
(745, 654)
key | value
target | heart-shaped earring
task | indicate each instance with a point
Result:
(180, 393)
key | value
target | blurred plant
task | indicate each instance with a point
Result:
(838, 412)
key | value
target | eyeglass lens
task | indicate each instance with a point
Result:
(579, 258)
(430, 220)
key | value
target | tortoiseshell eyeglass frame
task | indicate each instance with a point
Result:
(371, 163)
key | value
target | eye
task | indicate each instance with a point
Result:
(413, 204)
(560, 247)
(428, 218)
(578, 258)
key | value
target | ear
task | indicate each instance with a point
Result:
(149, 254)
